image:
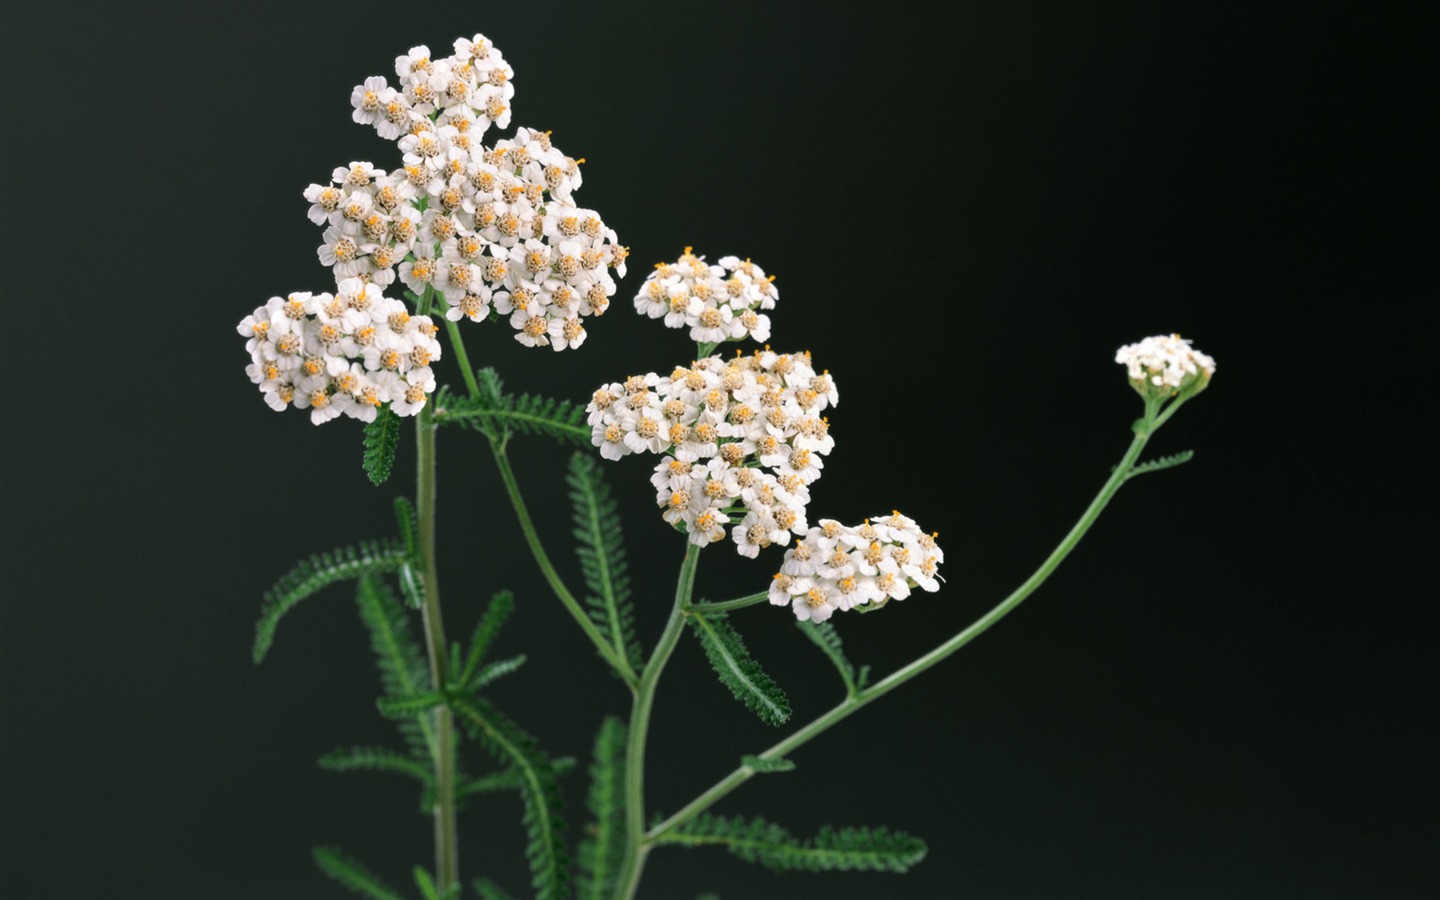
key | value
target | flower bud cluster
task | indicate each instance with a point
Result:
(1166, 365)
(744, 437)
(343, 353)
(716, 302)
(839, 567)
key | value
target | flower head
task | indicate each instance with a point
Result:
(716, 302)
(836, 567)
(494, 231)
(743, 440)
(1166, 366)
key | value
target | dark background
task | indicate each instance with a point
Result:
(1229, 690)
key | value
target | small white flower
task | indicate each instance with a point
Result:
(366, 99)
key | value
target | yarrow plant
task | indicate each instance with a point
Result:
(478, 232)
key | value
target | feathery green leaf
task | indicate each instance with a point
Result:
(426, 884)
(500, 608)
(496, 670)
(763, 766)
(495, 413)
(403, 670)
(409, 525)
(382, 437)
(352, 874)
(539, 789)
(601, 550)
(1163, 462)
(602, 852)
(738, 671)
(824, 636)
(375, 759)
(846, 849)
(508, 779)
(414, 704)
(485, 889)
(323, 569)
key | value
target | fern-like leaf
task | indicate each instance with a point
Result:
(485, 889)
(1160, 463)
(500, 608)
(602, 556)
(403, 670)
(764, 766)
(496, 413)
(375, 759)
(496, 670)
(602, 852)
(738, 671)
(412, 585)
(508, 779)
(382, 438)
(409, 525)
(846, 849)
(539, 789)
(428, 890)
(824, 636)
(352, 874)
(412, 705)
(321, 570)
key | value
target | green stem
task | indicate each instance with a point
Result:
(904, 674)
(636, 847)
(447, 866)
(724, 606)
(613, 655)
(462, 358)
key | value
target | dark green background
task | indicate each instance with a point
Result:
(1229, 691)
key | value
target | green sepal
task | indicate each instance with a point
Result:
(738, 671)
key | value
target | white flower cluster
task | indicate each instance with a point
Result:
(745, 439)
(716, 302)
(489, 229)
(343, 353)
(838, 567)
(1165, 362)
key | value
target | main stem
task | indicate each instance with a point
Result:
(447, 862)
(636, 848)
(904, 674)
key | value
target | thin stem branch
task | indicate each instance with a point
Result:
(613, 655)
(852, 704)
(457, 341)
(447, 866)
(726, 605)
(636, 847)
